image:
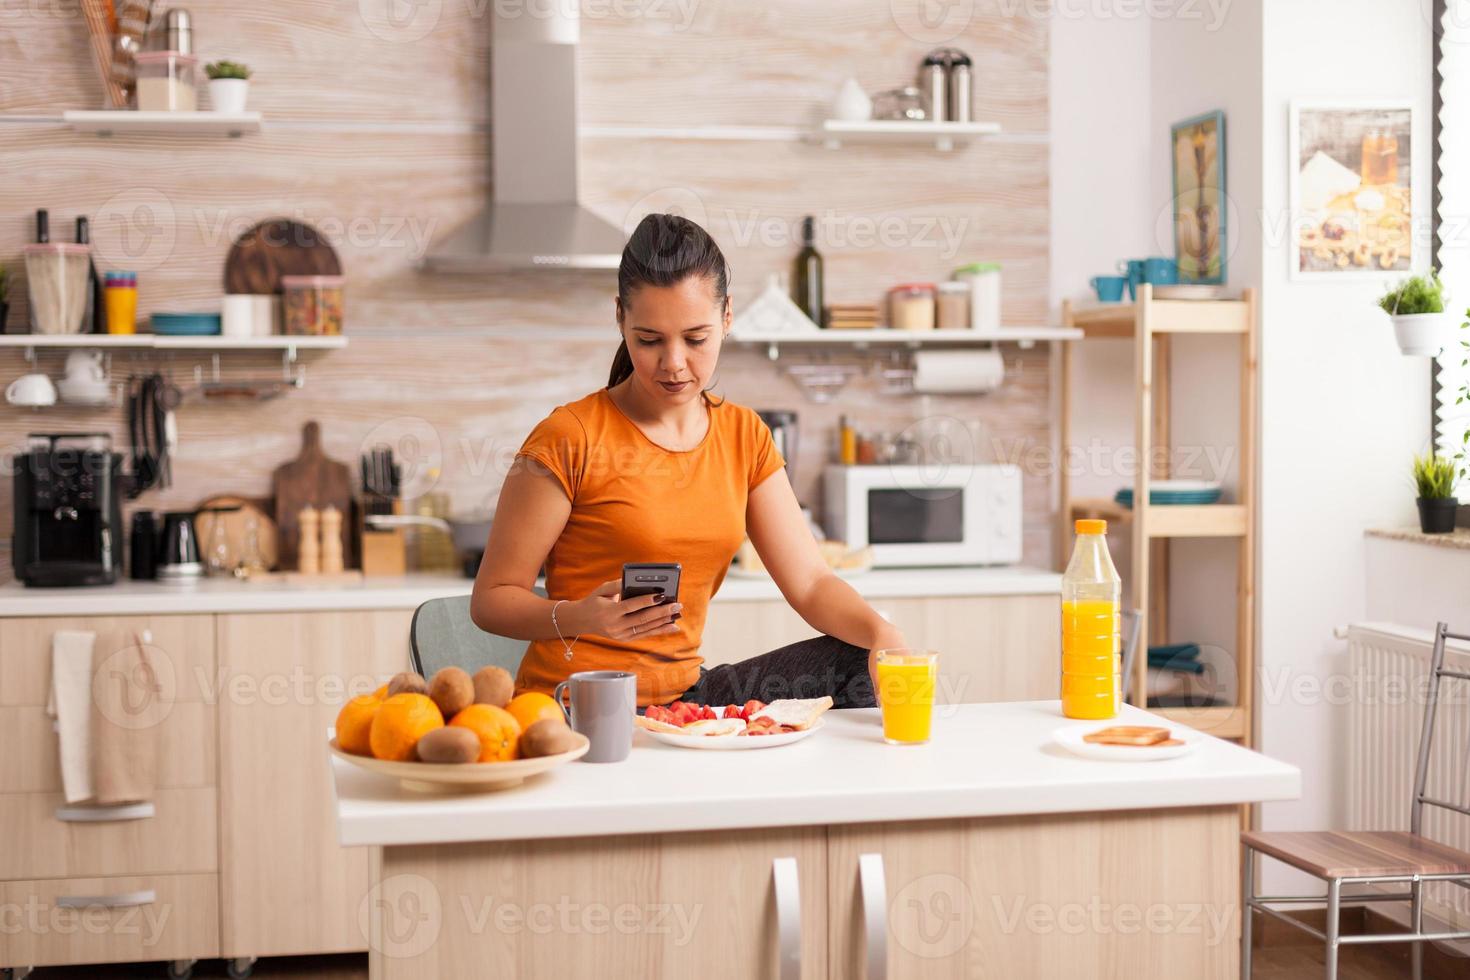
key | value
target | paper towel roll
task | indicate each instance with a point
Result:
(954, 372)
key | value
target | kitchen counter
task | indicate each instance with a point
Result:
(984, 760)
(837, 856)
(130, 597)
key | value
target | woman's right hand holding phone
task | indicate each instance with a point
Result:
(604, 613)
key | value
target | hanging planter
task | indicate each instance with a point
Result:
(1420, 325)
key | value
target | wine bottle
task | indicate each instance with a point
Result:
(807, 282)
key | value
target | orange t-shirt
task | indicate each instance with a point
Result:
(634, 501)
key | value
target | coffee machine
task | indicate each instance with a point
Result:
(68, 510)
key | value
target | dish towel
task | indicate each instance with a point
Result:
(127, 709)
(70, 705)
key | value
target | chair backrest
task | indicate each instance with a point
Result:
(1132, 620)
(443, 635)
(1437, 671)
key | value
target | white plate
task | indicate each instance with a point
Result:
(1070, 738)
(469, 777)
(718, 742)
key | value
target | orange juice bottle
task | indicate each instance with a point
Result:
(1092, 595)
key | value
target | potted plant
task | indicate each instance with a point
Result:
(229, 83)
(1434, 478)
(1416, 307)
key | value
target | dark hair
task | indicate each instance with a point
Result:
(664, 250)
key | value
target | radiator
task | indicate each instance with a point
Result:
(1390, 674)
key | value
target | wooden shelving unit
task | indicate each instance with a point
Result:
(1150, 323)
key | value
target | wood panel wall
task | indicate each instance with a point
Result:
(378, 134)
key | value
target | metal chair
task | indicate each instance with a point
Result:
(1367, 857)
(443, 635)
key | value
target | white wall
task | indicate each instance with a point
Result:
(1100, 205)
(1342, 411)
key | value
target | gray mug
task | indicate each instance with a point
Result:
(603, 705)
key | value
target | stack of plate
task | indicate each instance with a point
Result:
(186, 324)
(1163, 492)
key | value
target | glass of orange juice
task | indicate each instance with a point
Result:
(906, 694)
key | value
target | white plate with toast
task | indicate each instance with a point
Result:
(732, 742)
(1132, 745)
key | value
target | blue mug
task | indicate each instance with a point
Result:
(1109, 288)
(1132, 269)
(1160, 272)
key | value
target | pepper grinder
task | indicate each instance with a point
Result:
(308, 544)
(331, 552)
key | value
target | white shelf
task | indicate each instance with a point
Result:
(148, 341)
(913, 338)
(944, 135)
(112, 122)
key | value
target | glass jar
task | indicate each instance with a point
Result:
(983, 278)
(952, 306)
(167, 81)
(911, 306)
(312, 305)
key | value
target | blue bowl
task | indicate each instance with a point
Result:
(186, 324)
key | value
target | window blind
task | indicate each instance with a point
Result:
(1451, 420)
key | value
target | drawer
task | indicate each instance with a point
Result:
(154, 917)
(186, 748)
(182, 647)
(180, 836)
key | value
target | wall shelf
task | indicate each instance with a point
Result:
(149, 341)
(913, 339)
(119, 122)
(945, 136)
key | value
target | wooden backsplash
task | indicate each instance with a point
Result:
(377, 134)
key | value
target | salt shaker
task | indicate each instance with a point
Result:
(308, 545)
(331, 562)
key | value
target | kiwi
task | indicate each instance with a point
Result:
(494, 685)
(546, 737)
(407, 683)
(452, 690)
(451, 745)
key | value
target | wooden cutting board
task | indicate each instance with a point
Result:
(310, 478)
(275, 248)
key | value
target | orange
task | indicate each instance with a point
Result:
(531, 707)
(355, 723)
(401, 721)
(499, 732)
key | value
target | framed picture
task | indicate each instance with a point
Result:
(1353, 203)
(1198, 148)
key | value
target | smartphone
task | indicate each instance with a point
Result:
(651, 578)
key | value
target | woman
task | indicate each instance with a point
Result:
(653, 468)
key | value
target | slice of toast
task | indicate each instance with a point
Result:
(1127, 735)
(797, 713)
(651, 725)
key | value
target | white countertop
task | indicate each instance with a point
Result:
(130, 597)
(984, 760)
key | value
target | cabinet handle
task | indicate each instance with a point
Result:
(122, 900)
(874, 892)
(104, 814)
(788, 918)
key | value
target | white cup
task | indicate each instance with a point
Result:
(237, 315)
(262, 315)
(84, 367)
(31, 391)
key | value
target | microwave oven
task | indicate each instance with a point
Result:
(926, 515)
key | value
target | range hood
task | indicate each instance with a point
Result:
(534, 220)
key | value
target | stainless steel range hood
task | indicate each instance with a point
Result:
(534, 220)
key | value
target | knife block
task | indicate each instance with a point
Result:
(383, 551)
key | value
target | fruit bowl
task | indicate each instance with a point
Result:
(469, 777)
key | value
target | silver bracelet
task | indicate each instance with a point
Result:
(557, 627)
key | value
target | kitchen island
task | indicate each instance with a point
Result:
(987, 852)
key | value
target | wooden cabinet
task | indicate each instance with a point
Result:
(287, 886)
(669, 906)
(991, 648)
(1111, 895)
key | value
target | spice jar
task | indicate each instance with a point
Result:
(312, 304)
(166, 81)
(952, 306)
(911, 306)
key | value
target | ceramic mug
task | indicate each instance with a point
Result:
(603, 703)
(1160, 272)
(1109, 288)
(31, 391)
(84, 367)
(1132, 271)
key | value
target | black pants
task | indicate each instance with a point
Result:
(805, 669)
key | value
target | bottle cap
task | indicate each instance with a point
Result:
(1092, 527)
